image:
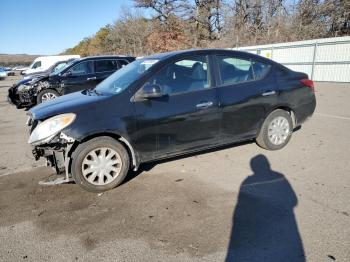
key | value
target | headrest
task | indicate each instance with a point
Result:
(198, 72)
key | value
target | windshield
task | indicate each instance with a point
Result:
(125, 76)
(60, 67)
(35, 64)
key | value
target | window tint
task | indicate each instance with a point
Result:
(237, 70)
(106, 65)
(36, 64)
(124, 77)
(123, 62)
(59, 67)
(82, 68)
(184, 76)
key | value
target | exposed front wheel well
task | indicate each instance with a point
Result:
(132, 154)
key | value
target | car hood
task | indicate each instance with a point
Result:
(71, 103)
(31, 80)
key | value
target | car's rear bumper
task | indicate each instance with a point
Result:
(305, 110)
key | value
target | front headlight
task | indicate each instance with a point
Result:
(33, 80)
(46, 130)
(22, 88)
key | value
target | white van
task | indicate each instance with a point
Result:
(42, 63)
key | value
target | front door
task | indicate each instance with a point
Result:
(79, 77)
(184, 120)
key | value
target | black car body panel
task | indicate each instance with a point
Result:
(25, 98)
(187, 121)
(64, 82)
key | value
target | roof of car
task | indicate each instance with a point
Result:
(194, 50)
(104, 57)
(162, 56)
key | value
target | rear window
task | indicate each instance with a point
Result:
(123, 62)
(106, 65)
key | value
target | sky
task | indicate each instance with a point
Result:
(48, 27)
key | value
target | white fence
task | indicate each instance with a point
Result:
(326, 59)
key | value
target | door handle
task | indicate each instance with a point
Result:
(91, 78)
(269, 93)
(204, 105)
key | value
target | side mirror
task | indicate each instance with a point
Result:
(151, 91)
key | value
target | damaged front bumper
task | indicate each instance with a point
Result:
(21, 98)
(57, 153)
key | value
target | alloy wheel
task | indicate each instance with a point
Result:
(47, 97)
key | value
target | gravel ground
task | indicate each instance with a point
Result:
(240, 203)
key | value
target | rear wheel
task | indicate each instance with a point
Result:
(100, 164)
(47, 95)
(276, 130)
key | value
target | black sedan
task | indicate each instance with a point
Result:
(167, 105)
(80, 74)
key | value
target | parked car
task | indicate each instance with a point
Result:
(20, 69)
(21, 93)
(167, 105)
(9, 71)
(79, 75)
(3, 73)
(43, 63)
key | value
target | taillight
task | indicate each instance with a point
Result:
(308, 83)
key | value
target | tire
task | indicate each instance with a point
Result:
(47, 92)
(279, 121)
(86, 175)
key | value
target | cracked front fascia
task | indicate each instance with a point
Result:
(67, 159)
(67, 138)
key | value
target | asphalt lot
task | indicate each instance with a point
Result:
(240, 203)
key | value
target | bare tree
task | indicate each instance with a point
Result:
(207, 15)
(130, 33)
(179, 24)
(163, 9)
(337, 16)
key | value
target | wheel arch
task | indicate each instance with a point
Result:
(285, 108)
(125, 142)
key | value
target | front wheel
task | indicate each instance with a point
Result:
(276, 130)
(100, 164)
(47, 95)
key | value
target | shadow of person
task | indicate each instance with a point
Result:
(264, 226)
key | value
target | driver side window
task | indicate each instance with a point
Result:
(186, 75)
(82, 68)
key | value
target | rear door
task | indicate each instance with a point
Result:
(81, 76)
(247, 91)
(104, 68)
(187, 118)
